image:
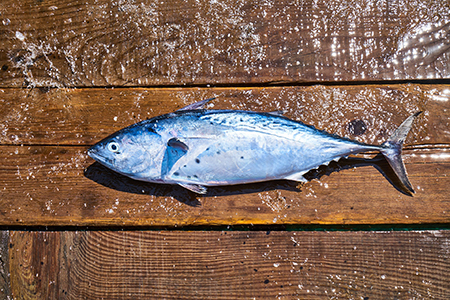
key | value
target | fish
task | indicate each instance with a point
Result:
(198, 148)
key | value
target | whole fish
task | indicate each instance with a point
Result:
(195, 148)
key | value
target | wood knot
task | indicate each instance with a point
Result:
(357, 127)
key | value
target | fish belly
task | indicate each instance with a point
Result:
(243, 157)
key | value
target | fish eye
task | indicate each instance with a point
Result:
(113, 147)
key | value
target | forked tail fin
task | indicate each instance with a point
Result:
(392, 150)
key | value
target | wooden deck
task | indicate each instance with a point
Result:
(73, 72)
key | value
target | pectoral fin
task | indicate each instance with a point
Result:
(196, 188)
(174, 151)
(177, 144)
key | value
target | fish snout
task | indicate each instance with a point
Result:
(92, 152)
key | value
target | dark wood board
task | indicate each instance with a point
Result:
(229, 265)
(142, 43)
(35, 265)
(5, 290)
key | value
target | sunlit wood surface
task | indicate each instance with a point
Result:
(229, 265)
(71, 73)
(176, 42)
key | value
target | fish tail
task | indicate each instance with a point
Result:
(392, 150)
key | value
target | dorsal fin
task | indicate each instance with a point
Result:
(196, 105)
(277, 112)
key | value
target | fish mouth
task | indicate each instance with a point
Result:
(93, 153)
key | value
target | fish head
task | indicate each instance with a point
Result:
(134, 152)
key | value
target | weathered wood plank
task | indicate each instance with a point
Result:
(5, 291)
(104, 43)
(46, 186)
(35, 265)
(84, 116)
(232, 265)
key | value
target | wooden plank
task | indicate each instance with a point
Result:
(84, 116)
(35, 261)
(49, 187)
(5, 290)
(104, 43)
(45, 184)
(232, 265)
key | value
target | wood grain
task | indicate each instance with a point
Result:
(5, 291)
(47, 179)
(44, 185)
(35, 265)
(104, 43)
(85, 116)
(232, 265)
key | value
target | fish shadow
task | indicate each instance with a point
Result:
(108, 178)
(111, 179)
(378, 162)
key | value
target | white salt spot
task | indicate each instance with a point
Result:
(440, 156)
(20, 36)
(115, 118)
(441, 98)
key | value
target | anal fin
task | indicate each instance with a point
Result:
(196, 188)
(297, 177)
